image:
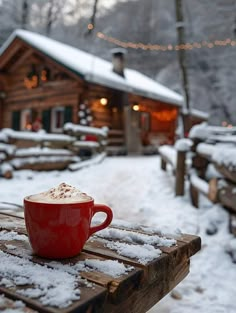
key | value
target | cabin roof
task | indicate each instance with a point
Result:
(94, 69)
(196, 113)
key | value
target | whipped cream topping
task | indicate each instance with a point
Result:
(63, 193)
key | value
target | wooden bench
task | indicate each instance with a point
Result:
(142, 285)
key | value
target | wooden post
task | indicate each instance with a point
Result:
(163, 164)
(232, 224)
(194, 196)
(200, 164)
(180, 173)
(213, 190)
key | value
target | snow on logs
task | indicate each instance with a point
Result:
(43, 151)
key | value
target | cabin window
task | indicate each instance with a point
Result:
(16, 120)
(46, 119)
(57, 119)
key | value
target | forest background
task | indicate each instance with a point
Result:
(211, 72)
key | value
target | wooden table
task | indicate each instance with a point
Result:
(135, 291)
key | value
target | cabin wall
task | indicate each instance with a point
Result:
(110, 113)
(59, 90)
(158, 120)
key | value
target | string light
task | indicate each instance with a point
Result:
(169, 47)
(90, 26)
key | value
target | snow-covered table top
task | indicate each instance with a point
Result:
(122, 267)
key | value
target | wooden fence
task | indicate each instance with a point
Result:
(209, 164)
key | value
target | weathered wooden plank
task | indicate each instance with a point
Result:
(137, 291)
(144, 298)
(98, 248)
(91, 297)
(228, 172)
(191, 242)
(12, 214)
(12, 223)
(151, 269)
(117, 286)
(93, 247)
(186, 244)
(92, 300)
(10, 304)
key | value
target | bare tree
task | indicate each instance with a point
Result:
(25, 13)
(54, 12)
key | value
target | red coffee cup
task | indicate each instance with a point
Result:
(60, 230)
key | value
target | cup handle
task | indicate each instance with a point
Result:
(101, 208)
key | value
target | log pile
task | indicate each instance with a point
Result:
(42, 151)
(212, 153)
(215, 148)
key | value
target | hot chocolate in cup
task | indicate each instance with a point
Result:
(63, 193)
(58, 221)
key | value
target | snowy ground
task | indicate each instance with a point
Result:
(138, 191)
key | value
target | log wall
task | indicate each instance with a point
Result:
(61, 92)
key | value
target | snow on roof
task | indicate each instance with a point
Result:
(196, 113)
(94, 69)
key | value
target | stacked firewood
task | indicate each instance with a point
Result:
(42, 151)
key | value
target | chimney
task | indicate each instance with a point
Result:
(118, 61)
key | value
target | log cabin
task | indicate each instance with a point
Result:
(45, 83)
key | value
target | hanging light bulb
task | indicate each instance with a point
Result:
(135, 107)
(103, 101)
